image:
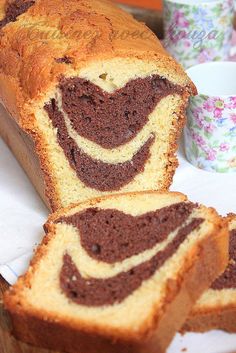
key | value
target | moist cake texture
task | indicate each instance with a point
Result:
(103, 261)
(118, 233)
(101, 99)
(228, 279)
(216, 309)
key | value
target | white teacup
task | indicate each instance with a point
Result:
(210, 134)
(198, 31)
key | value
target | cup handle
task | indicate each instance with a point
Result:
(233, 50)
(233, 47)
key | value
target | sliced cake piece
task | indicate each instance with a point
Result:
(94, 98)
(216, 309)
(118, 274)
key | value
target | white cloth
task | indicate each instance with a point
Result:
(22, 214)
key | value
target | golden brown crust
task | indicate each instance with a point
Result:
(23, 148)
(221, 317)
(155, 335)
(217, 319)
(174, 138)
(49, 30)
(231, 217)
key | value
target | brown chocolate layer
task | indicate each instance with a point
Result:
(94, 173)
(110, 235)
(228, 279)
(98, 292)
(113, 119)
(64, 60)
(15, 9)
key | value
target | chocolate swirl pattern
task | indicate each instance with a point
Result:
(95, 173)
(108, 120)
(228, 279)
(112, 236)
(108, 235)
(120, 94)
(95, 295)
(215, 309)
(111, 120)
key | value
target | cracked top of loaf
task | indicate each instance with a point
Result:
(43, 40)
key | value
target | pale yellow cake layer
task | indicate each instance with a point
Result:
(119, 71)
(71, 189)
(145, 203)
(214, 299)
(98, 269)
(115, 73)
(123, 316)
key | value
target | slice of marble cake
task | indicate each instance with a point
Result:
(216, 309)
(94, 90)
(118, 274)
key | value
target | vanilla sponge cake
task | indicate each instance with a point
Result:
(96, 103)
(118, 274)
(216, 309)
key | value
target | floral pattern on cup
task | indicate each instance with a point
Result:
(210, 135)
(198, 33)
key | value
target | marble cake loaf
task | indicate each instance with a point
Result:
(92, 94)
(118, 274)
(216, 309)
